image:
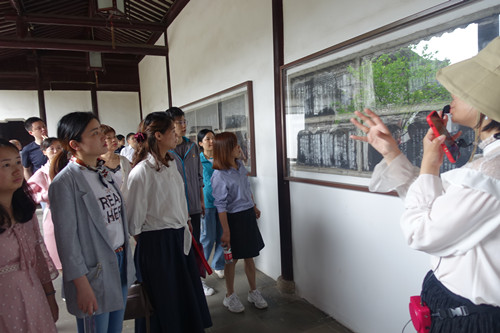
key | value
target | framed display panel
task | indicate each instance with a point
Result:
(391, 71)
(230, 110)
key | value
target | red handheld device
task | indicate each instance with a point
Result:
(449, 146)
(420, 315)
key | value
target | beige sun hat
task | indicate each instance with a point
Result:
(476, 80)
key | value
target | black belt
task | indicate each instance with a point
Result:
(464, 310)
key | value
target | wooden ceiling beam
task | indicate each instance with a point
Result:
(174, 10)
(81, 45)
(17, 75)
(146, 8)
(79, 21)
(15, 5)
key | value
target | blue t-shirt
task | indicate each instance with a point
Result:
(33, 157)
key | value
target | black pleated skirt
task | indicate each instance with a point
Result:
(246, 240)
(485, 319)
(173, 283)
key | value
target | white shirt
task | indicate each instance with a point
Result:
(120, 176)
(110, 204)
(455, 217)
(156, 199)
(128, 152)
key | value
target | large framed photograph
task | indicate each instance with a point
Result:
(394, 75)
(230, 110)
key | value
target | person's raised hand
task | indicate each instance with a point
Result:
(377, 134)
(433, 153)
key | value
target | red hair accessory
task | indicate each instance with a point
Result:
(140, 137)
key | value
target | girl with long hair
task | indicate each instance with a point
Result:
(26, 271)
(238, 215)
(39, 183)
(90, 226)
(158, 219)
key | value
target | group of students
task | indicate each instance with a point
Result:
(452, 216)
(98, 199)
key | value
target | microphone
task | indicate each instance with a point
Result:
(446, 109)
(460, 142)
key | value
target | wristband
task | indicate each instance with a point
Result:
(53, 292)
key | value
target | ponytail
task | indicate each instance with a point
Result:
(58, 163)
(146, 140)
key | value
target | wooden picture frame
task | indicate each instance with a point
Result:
(320, 93)
(228, 110)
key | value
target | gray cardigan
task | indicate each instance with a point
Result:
(83, 244)
(187, 158)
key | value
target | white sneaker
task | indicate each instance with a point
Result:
(209, 291)
(233, 304)
(256, 298)
(219, 273)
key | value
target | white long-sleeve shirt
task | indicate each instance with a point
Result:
(156, 200)
(455, 217)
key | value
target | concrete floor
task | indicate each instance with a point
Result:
(286, 313)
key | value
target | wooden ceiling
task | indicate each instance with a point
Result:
(44, 44)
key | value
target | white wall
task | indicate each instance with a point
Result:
(311, 26)
(349, 256)
(58, 103)
(153, 80)
(119, 110)
(18, 105)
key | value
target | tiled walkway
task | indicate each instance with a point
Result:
(286, 313)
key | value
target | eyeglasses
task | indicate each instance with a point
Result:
(39, 128)
(181, 122)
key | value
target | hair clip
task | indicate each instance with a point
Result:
(140, 137)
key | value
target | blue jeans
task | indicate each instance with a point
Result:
(211, 232)
(111, 322)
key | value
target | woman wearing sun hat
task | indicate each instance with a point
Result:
(455, 216)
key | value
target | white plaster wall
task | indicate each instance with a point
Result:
(18, 105)
(59, 103)
(153, 81)
(213, 48)
(119, 110)
(350, 258)
(311, 26)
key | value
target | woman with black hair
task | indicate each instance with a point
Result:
(118, 164)
(90, 226)
(211, 229)
(158, 219)
(28, 301)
